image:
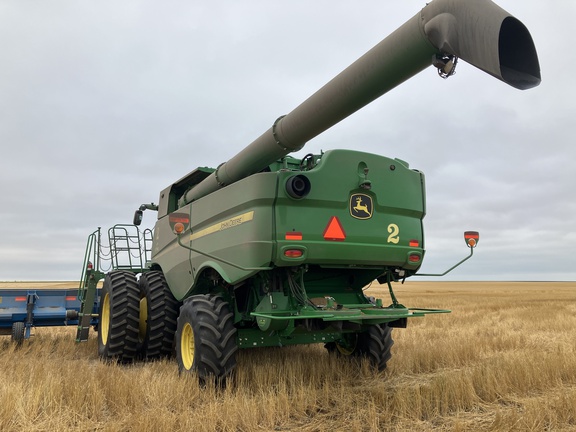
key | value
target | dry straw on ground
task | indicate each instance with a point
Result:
(503, 360)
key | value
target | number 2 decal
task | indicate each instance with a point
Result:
(394, 231)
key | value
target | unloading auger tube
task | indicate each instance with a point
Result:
(477, 31)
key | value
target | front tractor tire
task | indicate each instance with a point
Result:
(206, 338)
(375, 344)
(158, 316)
(119, 317)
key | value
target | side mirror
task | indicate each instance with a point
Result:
(137, 217)
(471, 238)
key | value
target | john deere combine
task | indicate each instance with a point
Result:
(270, 250)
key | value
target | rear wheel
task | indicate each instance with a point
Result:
(375, 344)
(119, 317)
(18, 329)
(206, 338)
(158, 316)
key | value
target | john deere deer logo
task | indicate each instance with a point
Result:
(361, 206)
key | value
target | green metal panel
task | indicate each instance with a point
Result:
(378, 234)
(247, 223)
(230, 226)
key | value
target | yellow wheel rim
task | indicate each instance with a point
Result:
(349, 347)
(143, 318)
(344, 350)
(187, 346)
(105, 319)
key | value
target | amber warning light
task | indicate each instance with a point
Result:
(471, 238)
(179, 222)
(293, 235)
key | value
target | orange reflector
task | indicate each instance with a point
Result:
(334, 230)
(472, 235)
(471, 238)
(413, 243)
(293, 235)
(20, 299)
(293, 253)
(414, 258)
(70, 298)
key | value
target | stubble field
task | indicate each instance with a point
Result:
(503, 360)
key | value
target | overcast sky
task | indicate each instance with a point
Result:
(105, 103)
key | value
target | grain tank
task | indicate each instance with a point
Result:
(271, 250)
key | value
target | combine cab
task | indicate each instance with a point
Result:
(270, 250)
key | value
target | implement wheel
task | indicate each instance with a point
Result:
(206, 338)
(119, 317)
(18, 329)
(375, 344)
(158, 315)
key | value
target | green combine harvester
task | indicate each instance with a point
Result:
(268, 250)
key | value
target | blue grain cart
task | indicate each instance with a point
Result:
(24, 308)
(127, 249)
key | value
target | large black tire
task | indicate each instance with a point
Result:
(158, 315)
(18, 329)
(206, 338)
(119, 317)
(375, 344)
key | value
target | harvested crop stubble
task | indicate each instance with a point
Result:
(503, 360)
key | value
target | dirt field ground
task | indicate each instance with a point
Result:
(503, 360)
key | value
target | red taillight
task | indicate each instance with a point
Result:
(414, 258)
(90, 266)
(293, 253)
(20, 299)
(414, 243)
(70, 298)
